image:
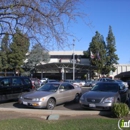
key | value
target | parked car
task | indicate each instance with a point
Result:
(79, 83)
(105, 79)
(35, 82)
(51, 80)
(103, 95)
(125, 83)
(43, 80)
(11, 87)
(88, 83)
(50, 95)
(93, 83)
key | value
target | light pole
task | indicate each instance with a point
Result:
(73, 64)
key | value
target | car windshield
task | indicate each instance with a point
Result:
(49, 87)
(106, 87)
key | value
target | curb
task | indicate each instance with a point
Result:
(59, 112)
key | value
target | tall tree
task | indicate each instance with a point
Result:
(111, 56)
(19, 47)
(37, 55)
(97, 52)
(41, 20)
(4, 52)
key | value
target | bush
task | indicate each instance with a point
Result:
(120, 110)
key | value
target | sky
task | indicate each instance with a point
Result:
(101, 15)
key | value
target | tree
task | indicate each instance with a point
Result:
(111, 56)
(97, 52)
(37, 55)
(18, 49)
(43, 21)
(4, 52)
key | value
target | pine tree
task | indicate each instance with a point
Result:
(19, 47)
(111, 56)
(4, 52)
(97, 48)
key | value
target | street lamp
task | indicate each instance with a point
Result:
(73, 64)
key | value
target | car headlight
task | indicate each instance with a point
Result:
(109, 100)
(37, 99)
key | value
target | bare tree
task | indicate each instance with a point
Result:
(43, 21)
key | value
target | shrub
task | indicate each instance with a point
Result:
(120, 110)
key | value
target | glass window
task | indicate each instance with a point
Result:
(5, 82)
(68, 87)
(27, 81)
(16, 82)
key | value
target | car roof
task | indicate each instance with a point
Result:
(107, 82)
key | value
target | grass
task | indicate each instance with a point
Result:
(75, 124)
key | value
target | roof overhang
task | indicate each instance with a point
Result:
(67, 66)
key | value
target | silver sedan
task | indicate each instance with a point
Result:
(103, 95)
(50, 95)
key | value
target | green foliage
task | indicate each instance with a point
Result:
(98, 48)
(104, 53)
(18, 49)
(111, 56)
(38, 54)
(120, 109)
(4, 54)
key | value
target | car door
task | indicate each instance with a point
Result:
(5, 89)
(27, 84)
(17, 86)
(66, 91)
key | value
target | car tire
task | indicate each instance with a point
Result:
(77, 97)
(51, 104)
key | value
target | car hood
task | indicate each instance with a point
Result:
(99, 94)
(36, 94)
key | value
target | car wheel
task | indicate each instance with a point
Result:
(77, 97)
(51, 104)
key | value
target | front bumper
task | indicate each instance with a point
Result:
(98, 106)
(33, 104)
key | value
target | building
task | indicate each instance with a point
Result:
(61, 66)
(65, 65)
(119, 69)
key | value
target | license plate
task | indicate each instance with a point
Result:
(92, 105)
(25, 103)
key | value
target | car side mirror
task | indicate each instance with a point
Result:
(61, 90)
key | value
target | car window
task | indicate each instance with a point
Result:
(106, 87)
(49, 87)
(68, 87)
(5, 82)
(16, 82)
(26, 81)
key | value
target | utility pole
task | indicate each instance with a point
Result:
(73, 63)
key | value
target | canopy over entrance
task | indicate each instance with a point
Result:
(66, 66)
